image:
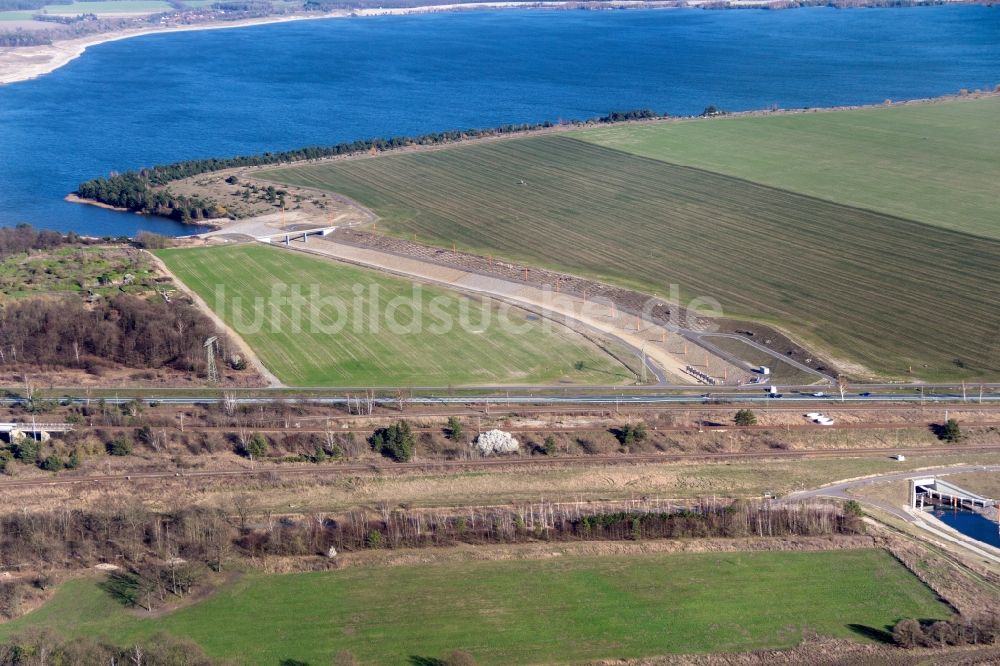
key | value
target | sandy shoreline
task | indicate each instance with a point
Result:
(74, 198)
(30, 62)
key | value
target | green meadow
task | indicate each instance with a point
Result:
(560, 610)
(934, 163)
(358, 330)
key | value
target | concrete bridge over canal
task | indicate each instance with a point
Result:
(40, 431)
(938, 491)
(301, 235)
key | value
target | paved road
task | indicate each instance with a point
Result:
(324, 424)
(523, 395)
(704, 339)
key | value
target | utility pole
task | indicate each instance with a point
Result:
(210, 367)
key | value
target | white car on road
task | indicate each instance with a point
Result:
(820, 419)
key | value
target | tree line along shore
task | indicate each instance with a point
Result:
(146, 190)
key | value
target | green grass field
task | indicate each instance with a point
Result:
(365, 350)
(880, 290)
(98, 7)
(110, 7)
(516, 612)
(935, 163)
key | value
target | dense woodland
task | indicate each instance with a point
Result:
(133, 191)
(25, 38)
(127, 330)
(546, 522)
(256, 7)
(976, 630)
(145, 191)
(64, 539)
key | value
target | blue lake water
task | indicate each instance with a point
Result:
(972, 525)
(162, 98)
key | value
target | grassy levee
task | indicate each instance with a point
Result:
(344, 337)
(883, 291)
(562, 610)
(934, 163)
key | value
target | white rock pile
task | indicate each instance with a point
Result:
(495, 441)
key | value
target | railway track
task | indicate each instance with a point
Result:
(447, 466)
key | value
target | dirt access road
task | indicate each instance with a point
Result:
(245, 349)
(666, 348)
(927, 523)
(841, 489)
